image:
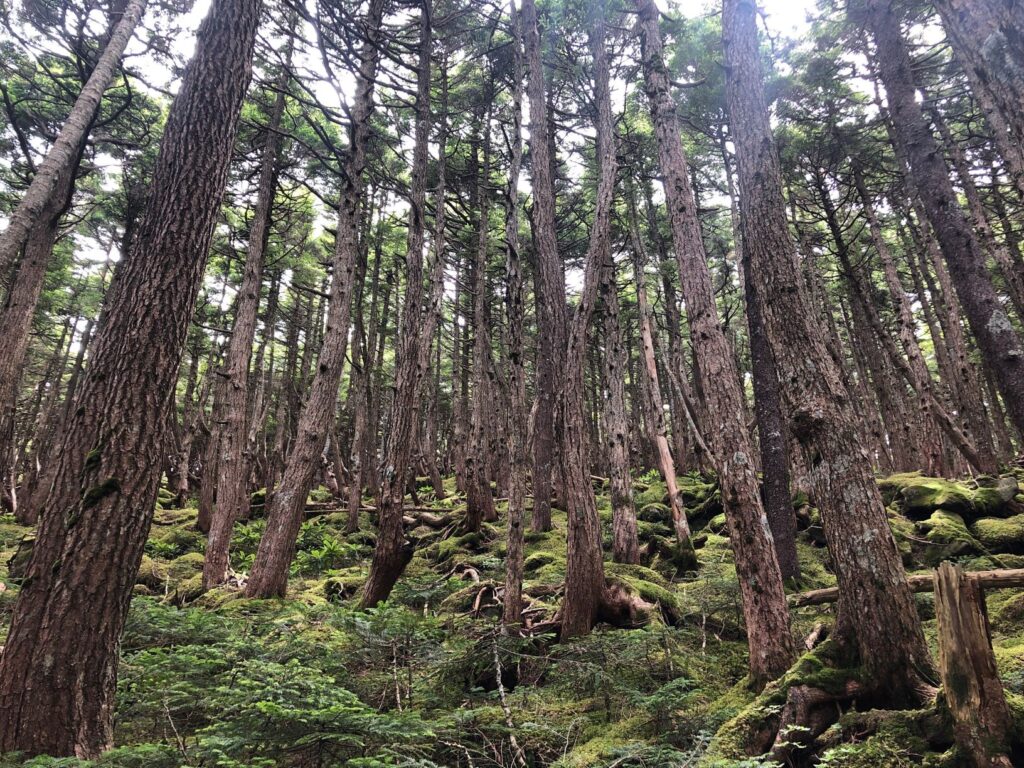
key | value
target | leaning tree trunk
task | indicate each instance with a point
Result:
(231, 432)
(771, 425)
(16, 325)
(764, 602)
(66, 149)
(286, 506)
(876, 606)
(32, 232)
(1001, 346)
(59, 668)
(392, 554)
(987, 56)
(657, 428)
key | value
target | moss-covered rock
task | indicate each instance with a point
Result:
(917, 496)
(946, 537)
(1000, 534)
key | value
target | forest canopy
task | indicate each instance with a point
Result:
(512, 383)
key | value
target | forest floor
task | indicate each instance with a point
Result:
(217, 680)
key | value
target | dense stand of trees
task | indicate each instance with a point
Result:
(368, 269)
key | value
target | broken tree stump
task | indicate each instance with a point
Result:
(968, 669)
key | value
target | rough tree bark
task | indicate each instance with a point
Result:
(285, 508)
(585, 589)
(231, 432)
(515, 288)
(58, 671)
(392, 554)
(764, 602)
(658, 428)
(549, 274)
(991, 60)
(876, 607)
(625, 546)
(771, 425)
(32, 231)
(479, 500)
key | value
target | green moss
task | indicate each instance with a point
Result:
(98, 492)
(1000, 535)
(604, 743)
(947, 537)
(918, 496)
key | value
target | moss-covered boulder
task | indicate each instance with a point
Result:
(1000, 535)
(943, 536)
(917, 496)
(655, 512)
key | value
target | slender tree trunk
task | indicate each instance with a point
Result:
(764, 603)
(286, 506)
(392, 553)
(876, 606)
(657, 427)
(231, 434)
(58, 672)
(991, 60)
(550, 277)
(625, 546)
(479, 501)
(512, 608)
(771, 426)
(585, 589)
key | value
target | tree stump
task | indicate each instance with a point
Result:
(968, 668)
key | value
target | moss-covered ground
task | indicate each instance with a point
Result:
(217, 680)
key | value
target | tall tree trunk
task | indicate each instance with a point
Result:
(657, 427)
(1001, 346)
(625, 546)
(585, 589)
(392, 554)
(231, 433)
(549, 273)
(875, 604)
(757, 567)
(515, 305)
(286, 506)
(479, 501)
(58, 672)
(67, 147)
(771, 425)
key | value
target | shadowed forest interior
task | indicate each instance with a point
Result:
(515, 383)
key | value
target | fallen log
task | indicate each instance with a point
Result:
(998, 579)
